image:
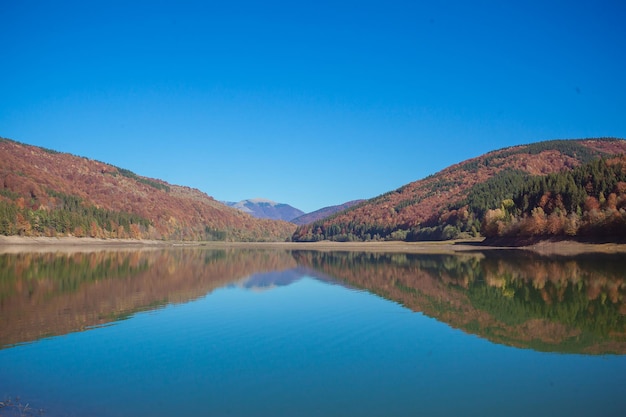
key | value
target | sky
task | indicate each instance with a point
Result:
(309, 103)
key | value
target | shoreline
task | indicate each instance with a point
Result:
(19, 244)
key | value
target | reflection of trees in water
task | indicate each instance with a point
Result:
(554, 304)
(56, 293)
(34, 274)
(587, 293)
(521, 299)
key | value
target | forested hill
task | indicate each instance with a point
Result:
(48, 193)
(485, 195)
(589, 202)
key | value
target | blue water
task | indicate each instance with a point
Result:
(307, 349)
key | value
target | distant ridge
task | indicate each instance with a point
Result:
(266, 209)
(324, 212)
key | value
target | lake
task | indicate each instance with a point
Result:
(192, 331)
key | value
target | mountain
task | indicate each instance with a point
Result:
(47, 193)
(267, 209)
(454, 202)
(323, 212)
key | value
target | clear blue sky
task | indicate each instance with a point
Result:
(308, 103)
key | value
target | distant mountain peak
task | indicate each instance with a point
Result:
(259, 200)
(263, 208)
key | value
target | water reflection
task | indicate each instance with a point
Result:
(518, 299)
(56, 293)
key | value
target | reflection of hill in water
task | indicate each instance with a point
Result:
(550, 304)
(269, 280)
(520, 299)
(56, 293)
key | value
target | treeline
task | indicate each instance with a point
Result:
(343, 231)
(72, 217)
(69, 216)
(152, 183)
(589, 201)
(569, 148)
(464, 219)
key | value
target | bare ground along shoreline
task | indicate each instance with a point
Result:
(17, 244)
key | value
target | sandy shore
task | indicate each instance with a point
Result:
(16, 244)
(565, 248)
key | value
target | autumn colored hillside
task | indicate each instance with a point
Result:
(453, 202)
(48, 193)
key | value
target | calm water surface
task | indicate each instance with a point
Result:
(265, 333)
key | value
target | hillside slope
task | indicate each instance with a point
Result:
(422, 209)
(48, 193)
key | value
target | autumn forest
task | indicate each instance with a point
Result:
(544, 190)
(553, 189)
